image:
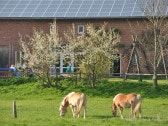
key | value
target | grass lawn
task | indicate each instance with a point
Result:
(38, 106)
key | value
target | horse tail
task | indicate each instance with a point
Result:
(139, 98)
(138, 103)
(82, 103)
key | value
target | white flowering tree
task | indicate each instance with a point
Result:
(94, 50)
(155, 35)
(41, 50)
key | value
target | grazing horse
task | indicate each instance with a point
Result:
(121, 101)
(76, 101)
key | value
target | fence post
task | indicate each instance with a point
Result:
(14, 109)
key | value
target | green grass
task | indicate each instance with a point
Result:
(37, 105)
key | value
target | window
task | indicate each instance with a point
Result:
(4, 56)
(18, 58)
(62, 64)
(134, 59)
(80, 29)
(52, 29)
(115, 66)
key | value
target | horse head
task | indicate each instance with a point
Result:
(63, 106)
(114, 110)
(114, 113)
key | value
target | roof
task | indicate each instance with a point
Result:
(58, 9)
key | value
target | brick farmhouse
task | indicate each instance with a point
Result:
(22, 22)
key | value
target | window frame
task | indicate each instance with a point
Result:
(81, 31)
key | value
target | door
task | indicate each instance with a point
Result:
(4, 56)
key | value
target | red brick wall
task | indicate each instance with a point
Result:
(9, 30)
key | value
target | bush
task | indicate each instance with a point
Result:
(16, 81)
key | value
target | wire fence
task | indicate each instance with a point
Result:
(80, 75)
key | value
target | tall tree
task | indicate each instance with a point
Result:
(94, 50)
(41, 50)
(156, 34)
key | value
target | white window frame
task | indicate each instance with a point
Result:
(18, 58)
(81, 29)
(52, 30)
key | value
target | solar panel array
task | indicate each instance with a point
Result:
(69, 8)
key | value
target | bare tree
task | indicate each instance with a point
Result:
(41, 50)
(94, 50)
(156, 35)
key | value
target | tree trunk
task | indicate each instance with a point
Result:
(138, 66)
(154, 78)
(132, 53)
(164, 63)
(93, 79)
(48, 80)
(155, 83)
(56, 75)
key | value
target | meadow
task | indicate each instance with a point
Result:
(38, 105)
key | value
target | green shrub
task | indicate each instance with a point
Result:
(16, 81)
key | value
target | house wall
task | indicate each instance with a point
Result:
(10, 30)
(127, 27)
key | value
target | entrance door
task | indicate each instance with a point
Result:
(116, 69)
(4, 56)
(115, 66)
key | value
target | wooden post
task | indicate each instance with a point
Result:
(129, 63)
(14, 109)
(164, 64)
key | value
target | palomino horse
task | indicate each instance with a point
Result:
(76, 101)
(121, 101)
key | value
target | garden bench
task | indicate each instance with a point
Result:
(6, 72)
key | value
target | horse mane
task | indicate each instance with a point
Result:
(65, 101)
(114, 106)
(116, 96)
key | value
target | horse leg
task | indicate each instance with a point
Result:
(79, 107)
(84, 112)
(138, 108)
(140, 111)
(78, 113)
(121, 111)
(134, 115)
(133, 112)
(73, 110)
